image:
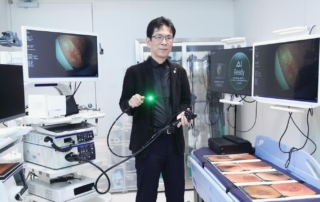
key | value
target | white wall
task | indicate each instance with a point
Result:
(3, 15)
(256, 20)
(4, 22)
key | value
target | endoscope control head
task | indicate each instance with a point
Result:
(190, 115)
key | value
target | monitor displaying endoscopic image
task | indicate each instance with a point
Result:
(57, 55)
(287, 72)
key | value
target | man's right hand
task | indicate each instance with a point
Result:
(136, 100)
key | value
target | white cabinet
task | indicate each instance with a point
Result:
(123, 177)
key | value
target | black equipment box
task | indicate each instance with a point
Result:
(221, 145)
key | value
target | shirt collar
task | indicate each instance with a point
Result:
(156, 64)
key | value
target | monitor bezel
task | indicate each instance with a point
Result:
(282, 101)
(26, 77)
(230, 92)
(18, 115)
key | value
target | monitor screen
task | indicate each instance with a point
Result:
(230, 71)
(55, 55)
(286, 72)
(12, 103)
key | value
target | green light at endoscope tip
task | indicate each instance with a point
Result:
(150, 98)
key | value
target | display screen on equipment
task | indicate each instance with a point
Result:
(230, 71)
(56, 55)
(287, 71)
(12, 102)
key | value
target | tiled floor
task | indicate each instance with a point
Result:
(130, 197)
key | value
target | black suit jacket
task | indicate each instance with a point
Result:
(139, 80)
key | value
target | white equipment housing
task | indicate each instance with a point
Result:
(61, 191)
(50, 158)
(47, 106)
(35, 137)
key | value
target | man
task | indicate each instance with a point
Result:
(169, 85)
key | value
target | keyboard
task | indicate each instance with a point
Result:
(235, 139)
(66, 128)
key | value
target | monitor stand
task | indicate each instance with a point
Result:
(60, 87)
(288, 108)
(228, 99)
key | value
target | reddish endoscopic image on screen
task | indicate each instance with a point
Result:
(278, 190)
(219, 158)
(229, 167)
(239, 157)
(5, 168)
(255, 165)
(273, 176)
(293, 189)
(59, 55)
(287, 70)
(261, 192)
(73, 51)
(243, 177)
(231, 157)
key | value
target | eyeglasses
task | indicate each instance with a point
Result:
(159, 38)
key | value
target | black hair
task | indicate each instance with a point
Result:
(158, 23)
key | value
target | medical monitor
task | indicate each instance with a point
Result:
(286, 72)
(56, 55)
(12, 102)
(230, 71)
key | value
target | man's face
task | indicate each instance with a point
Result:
(160, 49)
